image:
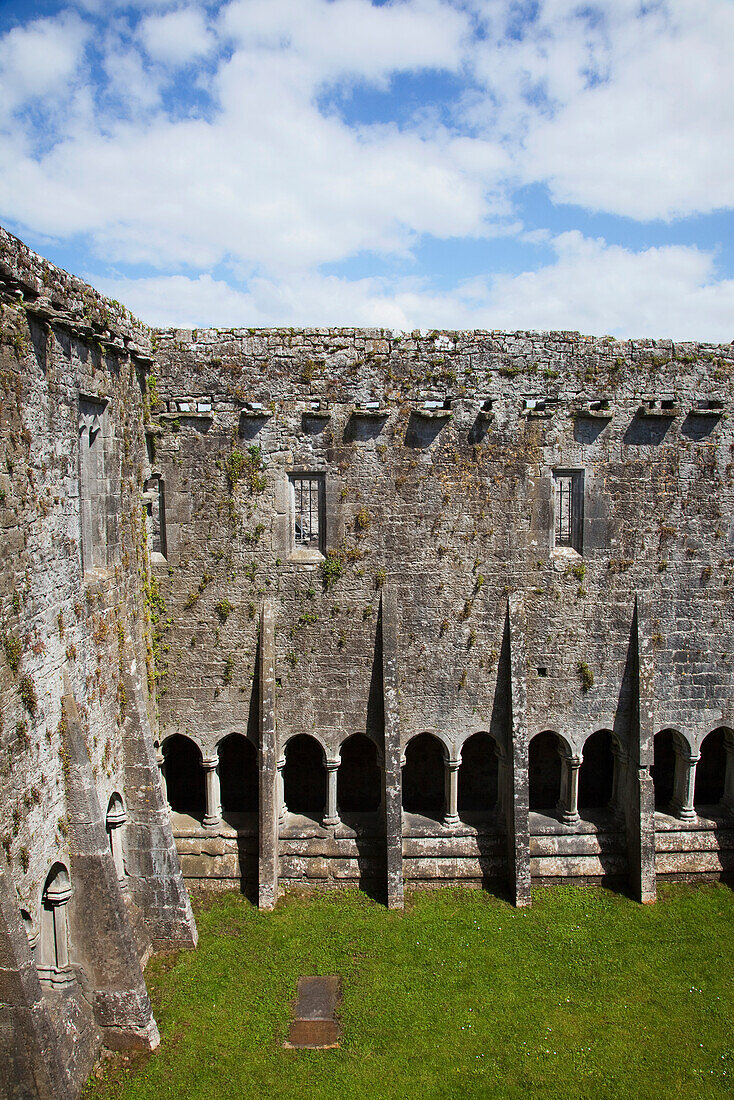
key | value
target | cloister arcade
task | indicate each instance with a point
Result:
(453, 795)
(439, 782)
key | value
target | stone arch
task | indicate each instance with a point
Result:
(359, 778)
(115, 819)
(544, 769)
(238, 774)
(596, 774)
(53, 965)
(184, 775)
(478, 774)
(304, 775)
(711, 769)
(424, 775)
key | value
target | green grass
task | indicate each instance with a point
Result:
(586, 995)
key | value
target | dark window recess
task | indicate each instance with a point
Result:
(155, 509)
(569, 504)
(308, 512)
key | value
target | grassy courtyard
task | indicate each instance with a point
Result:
(586, 995)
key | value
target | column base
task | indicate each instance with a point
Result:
(209, 822)
(683, 813)
(451, 819)
(570, 819)
(329, 822)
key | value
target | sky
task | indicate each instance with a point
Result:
(496, 164)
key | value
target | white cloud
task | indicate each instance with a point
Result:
(352, 38)
(591, 287)
(176, 37)
(657, 139)
(40, 58)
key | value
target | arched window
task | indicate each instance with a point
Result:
(184, 775)
(359, 779)
(478, 774)
(545, 771)
(596, 775)
(53, 964)
(663, 768)
(304, 776)
(424, 776)
(711, 770)
(238, 777)
(116, 818)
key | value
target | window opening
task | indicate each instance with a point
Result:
(308, 512)
(568, 510)
(92, 485)
(155, 509)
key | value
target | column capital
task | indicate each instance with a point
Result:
(210, 762)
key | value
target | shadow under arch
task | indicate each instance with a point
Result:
(478, 776)
(185, 784)
(596, 774)
(304, 776)
(240, 796)
(359, 801)
(424, 776)
(711, 772)
(544, 771)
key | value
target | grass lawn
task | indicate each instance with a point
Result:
(587, 994)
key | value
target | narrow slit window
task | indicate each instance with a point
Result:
(307, 493)
(569, 502)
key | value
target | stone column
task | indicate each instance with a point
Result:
(280, 790)
(57, 897)
(386, 653)
(331, 817)
(213, 814)
(271, 803)
(727, 801)
(513, 666)
(568, 804)
(684, 783)
(161, 762)
(115, 820)
(451, 782)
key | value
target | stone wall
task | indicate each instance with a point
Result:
(90, 878)
(339, 607)
(442, 489)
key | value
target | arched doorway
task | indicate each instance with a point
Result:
(545, 772)
(596, 775)
(478, 775)
(304, 776)
(238, 777)
(663, 769)
(711, 770)
(424, 776)
(184, 775)
(359, 778)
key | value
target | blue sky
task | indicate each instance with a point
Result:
(516, 164)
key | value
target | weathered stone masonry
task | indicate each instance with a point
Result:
(339, 607)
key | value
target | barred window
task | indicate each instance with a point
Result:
(569, 503)
(307, 495)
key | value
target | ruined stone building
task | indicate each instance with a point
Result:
(339, 607)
